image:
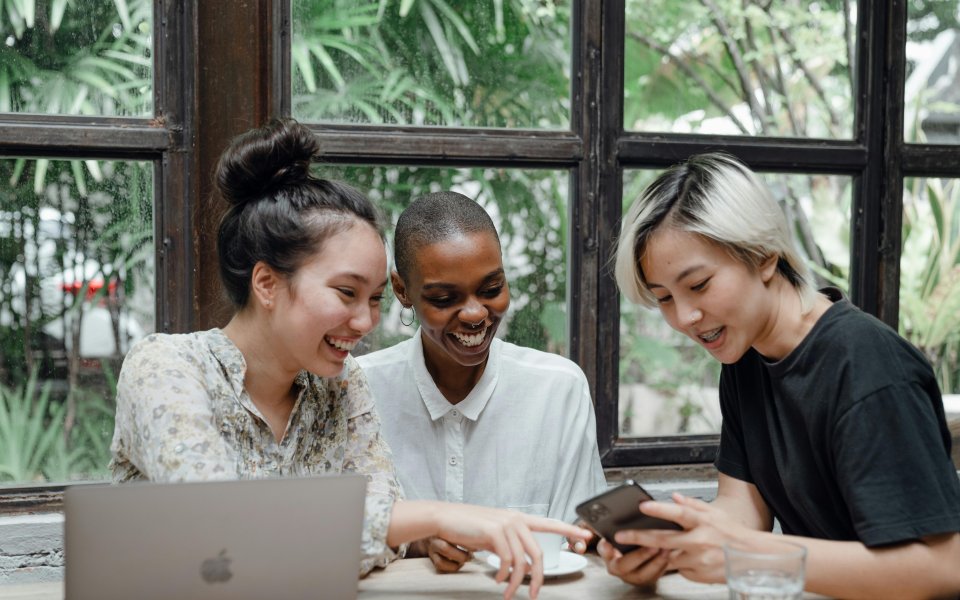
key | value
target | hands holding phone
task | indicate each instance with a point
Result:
(639, 546)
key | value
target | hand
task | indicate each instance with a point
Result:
(506, 534)
(697, 551)
(446, 557)
(581, 546)
(641, 567)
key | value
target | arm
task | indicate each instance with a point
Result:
(836, 569)
(579, 472)
(503, 532)
(367, 453)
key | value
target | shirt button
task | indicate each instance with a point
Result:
(453, 460)
(455, 413)
(272, 465)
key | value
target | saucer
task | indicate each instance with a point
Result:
(570, 562)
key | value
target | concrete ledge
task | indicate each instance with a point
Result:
(31, 548)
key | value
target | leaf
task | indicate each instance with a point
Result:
(440, 41)
(327, 62)
(40, 175)
(301, 59)
(458, 23)
(57, 10)
(405, 6)
(123, 11)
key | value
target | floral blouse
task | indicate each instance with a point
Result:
(184, 415)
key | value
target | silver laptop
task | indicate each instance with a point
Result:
(268, 538)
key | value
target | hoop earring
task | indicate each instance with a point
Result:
(413, 315)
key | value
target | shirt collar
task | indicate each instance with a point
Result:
(433, 399)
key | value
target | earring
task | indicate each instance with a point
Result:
(413, 315)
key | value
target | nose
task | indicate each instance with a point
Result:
(473, 312)
(688, 314)
(364, 319)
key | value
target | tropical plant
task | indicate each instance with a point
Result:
(30, 427)
(75, 235)
(930, 275)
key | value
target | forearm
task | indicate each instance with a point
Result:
(413, 520)
(920, 569)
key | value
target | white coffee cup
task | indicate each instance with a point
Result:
(550, 546)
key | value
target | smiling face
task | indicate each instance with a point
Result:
(707, 294)
(460, 293)
(330, 302)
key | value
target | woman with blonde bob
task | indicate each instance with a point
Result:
(832, 423)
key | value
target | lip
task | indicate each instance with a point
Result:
(480, 349)
(715, 343)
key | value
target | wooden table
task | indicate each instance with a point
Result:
(416, 579)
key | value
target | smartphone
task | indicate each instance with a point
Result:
(618, 509)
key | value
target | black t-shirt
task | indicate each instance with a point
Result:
(845, 438)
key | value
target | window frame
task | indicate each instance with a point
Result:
(165, 140)
(195, 117)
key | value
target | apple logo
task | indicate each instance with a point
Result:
(217, 569)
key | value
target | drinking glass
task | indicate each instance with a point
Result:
(767, 570)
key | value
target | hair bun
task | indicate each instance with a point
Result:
(262, 161)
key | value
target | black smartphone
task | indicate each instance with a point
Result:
(618, 509)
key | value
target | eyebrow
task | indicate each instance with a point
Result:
(683, 274)
(441, 285)
(362, 279)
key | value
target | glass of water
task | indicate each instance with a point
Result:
(767, 570)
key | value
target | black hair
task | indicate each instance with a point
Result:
(435, 217)
(279, 212)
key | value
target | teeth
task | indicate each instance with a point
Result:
(343, 345)
(471, 340)
(712, 336)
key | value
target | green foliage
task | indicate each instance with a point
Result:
(33, 446)
(930, 275)
(497, 63)
(29, 428)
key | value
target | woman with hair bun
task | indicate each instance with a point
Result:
(832, 423)
(276, 392)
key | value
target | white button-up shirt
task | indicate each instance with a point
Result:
(524, 438)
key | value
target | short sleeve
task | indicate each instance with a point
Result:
(892, 468)
(732, 455)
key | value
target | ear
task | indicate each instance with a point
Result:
(265, 283)
(769, 267)
(400, 289)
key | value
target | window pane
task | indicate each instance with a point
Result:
(77, 273)
(930, 275)
(484, 63)
(668, 383)
(529, 209)
(932, 86)
(77, 58)
(740, 67)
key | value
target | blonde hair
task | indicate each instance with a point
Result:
(718, 198)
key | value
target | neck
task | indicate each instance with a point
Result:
(455, 381)
(268, 381)
(788, 325)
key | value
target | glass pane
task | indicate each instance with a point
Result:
(77, 273)
(77, 58)
(932, 86)
(930, 275)
(740, 67)
(668, 383)
(482, 63)
(529, 209)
